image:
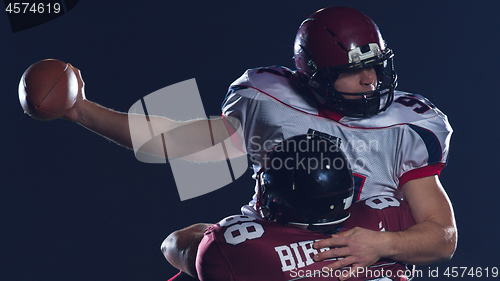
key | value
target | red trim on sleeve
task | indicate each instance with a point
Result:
(430, 170)
(182, 276)
(175, 276)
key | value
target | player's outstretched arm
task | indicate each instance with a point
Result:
(181, 246)
(181, 138)
(433, 238)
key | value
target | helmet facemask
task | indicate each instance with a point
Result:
(361, 105)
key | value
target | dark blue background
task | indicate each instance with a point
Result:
(74, 206)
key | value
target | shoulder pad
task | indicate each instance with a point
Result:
(279, 83)
(263, 77)
(406, 108)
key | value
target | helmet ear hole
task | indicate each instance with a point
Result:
(321, 81)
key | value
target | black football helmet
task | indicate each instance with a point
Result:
(307, 183)
(339, 39)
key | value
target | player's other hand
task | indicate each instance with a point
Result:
(72, 113)
(359, 247)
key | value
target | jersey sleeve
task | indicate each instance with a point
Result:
(211, 264)
(239, 104)
(424, 145)
(380, 213)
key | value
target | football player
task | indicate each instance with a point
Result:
(297, 205)
(344, 85)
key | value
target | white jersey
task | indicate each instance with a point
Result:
(409, 140)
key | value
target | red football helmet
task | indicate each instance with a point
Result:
(339, 39)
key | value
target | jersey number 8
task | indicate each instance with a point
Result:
(241, 228)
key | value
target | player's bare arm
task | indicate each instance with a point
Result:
(183, 138)
(433, 238)
(181, 246)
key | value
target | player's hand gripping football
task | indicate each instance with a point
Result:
(359, 248)
(72, 113)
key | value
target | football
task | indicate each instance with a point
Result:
(47, 89)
